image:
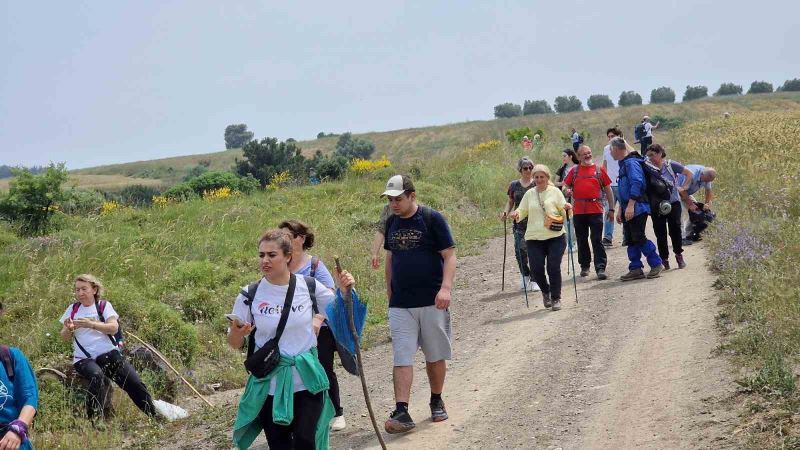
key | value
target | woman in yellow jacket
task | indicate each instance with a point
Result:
(545, 244)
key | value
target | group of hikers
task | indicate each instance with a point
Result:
(292, 391)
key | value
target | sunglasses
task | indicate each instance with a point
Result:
(527, 168)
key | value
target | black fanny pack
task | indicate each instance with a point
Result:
(263, 361)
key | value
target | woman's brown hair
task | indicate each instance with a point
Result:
(299, 228)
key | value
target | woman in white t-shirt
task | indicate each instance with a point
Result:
(291, 404)
(90, 323)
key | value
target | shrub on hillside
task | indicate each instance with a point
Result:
(331, 168)
(599, 101)
(564, 104)
(760, 87)
(322, 134)
(264, 159)
(195, 171)
(237, 135)
(515, 135)
(354, 148)
(791, 85)
(662, 95)
(667, 123)
(210, 181)
(181, 192)
(507, 110)
(629, 98)
(136, 195)
(694, 93)
(79, 201)
(32, 200)
(536, 107)
(728, 89)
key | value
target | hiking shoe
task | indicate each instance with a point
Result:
(665, 263)
(546, 298)
(533, 286)
(556, 304)
(681, 262)
(601, 274)
(338, 423)
(438, 412)
(624, 242)
(635, 274)
(584, 272)
(399, 422)
(655, 272)
(607, 243)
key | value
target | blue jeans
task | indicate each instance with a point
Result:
(608, 225)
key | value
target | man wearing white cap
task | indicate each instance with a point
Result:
(420, 270)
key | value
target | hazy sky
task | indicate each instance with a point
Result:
(100, 82)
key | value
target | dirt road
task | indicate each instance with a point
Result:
(629, 367)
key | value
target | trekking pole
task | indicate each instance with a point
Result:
(348, 303)
(571, 259)
(162, 358)
(505, 244)
(524, 286)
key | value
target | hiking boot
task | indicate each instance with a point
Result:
(665, 263)
(438, 412)
(546, 299)
(624, 242)
(681, 262)
(655, 272)
(399, 422)
(533, 286)
(635, 274)
(607, 243)
(601, 274)
(556, 304)
(338, 423)
(584, 271)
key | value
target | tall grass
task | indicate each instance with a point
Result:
(756, 247)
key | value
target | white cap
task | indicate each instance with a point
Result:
(394, 186)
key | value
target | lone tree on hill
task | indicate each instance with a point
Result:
(531, 107)
(662, 95)
(695, 92)
(32, 199)
(599, 101)
(264, 159)
(507, 110)
(351, 148)
(760, 87)
(629, 98)
(566, 104)
(237, 135)
(728, 89)
(791, 85)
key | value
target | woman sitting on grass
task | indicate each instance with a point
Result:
(19, 398)
(91, 323)
(291, 403)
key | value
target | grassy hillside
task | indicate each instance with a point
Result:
(173, 271)
(101, 182)
(419, 144)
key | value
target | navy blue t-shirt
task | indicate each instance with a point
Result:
(417, 265)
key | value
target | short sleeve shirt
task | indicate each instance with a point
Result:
(612, 165)
(95, 342)
(417, 266)
(696, 184)
(676, 169)
(587, 190)
(265, 313)
(515, 192)
(648, 129)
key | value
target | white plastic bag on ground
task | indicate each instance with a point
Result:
(169, 411)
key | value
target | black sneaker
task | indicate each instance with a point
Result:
(584, 272)
(438, 412)
(546, 300)
(601, 274)
(399, 422)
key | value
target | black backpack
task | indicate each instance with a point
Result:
(657, 188)
(638, 132)
(580, 139)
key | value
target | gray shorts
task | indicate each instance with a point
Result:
(426, 327)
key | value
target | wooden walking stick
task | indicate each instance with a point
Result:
(505, 244)
(348, 303)
(162, 358)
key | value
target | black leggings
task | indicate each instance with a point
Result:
(301, 433)
(547, 253)
(113, 365)
(660, 223)
(326, 347)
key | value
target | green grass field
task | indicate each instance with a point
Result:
(173, 272)
(112, 182)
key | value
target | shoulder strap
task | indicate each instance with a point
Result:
(311, 283)
(8, 361)
(427, 217)
(599, 176)
(314, 265)
(389, 221)
(250, 293)
(100, 305)
(75, 307)
(287, 306)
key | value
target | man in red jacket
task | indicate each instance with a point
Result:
(586, 183)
